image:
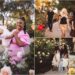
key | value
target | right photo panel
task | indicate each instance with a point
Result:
(54, 37)
(54, 56)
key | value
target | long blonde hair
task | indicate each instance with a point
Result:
(64, 12)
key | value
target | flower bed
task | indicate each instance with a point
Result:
(44, 52)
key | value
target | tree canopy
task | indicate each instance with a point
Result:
(69, 4)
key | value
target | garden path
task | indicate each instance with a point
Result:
(54, 73)
(56, 32)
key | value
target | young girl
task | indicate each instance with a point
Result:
(64, 62)
(6, 71)
(19, 39)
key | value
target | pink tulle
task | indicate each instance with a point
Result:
(14, 48)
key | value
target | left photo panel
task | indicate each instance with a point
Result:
(17, 19)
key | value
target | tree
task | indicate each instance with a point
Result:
(69, 4)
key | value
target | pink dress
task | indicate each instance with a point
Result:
(14, 49)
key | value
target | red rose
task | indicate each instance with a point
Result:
(40, 27)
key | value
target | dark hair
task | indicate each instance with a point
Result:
(23, 19)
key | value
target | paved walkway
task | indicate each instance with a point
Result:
(54, 73)
(56, 32)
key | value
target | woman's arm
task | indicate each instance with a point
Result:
(68, 25)
(72, 25)
(19, 42)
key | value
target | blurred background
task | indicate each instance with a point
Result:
(10, 10)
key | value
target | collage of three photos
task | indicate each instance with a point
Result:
(37, 37)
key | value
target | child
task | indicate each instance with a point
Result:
(3, 33)
(4, 43)
(6, 71)
(60, 68)
(65, 62)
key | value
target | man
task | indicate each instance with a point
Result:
(50, 15)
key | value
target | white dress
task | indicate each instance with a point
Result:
(65, 62)
(6, 32)
(56, 59)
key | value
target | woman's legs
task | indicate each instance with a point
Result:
(63, 30)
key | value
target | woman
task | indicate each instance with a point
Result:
(56, 60)
(72, 33)
(64, 21)
(19, 40)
